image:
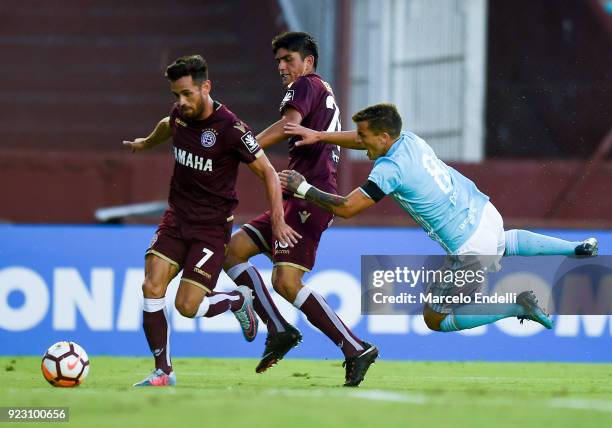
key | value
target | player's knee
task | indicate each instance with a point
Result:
(286, 286)
(152, 289)
(240, 249)
(186, 307)
(432, 323)
(432, 319)
(232, 259)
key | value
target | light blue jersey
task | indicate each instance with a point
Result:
(444, 202)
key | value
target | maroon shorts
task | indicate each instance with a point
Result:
(199, 249)
(306, 219)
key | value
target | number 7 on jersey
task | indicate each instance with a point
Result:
(207, 255)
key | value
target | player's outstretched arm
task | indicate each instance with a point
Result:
(160, 134)
(309, 136)
(342, 206)
(281, 230)
(275, 133)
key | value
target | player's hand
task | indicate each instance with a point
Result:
(135, 146)
(290, 179)
(284, 234)
(308, 135)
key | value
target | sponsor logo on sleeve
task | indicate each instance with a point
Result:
(250, 142)
(288, 97)
(208, 138)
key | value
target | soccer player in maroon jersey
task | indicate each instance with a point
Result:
(209, 142)
(310, 101)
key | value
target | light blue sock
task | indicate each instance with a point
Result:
(525, 243)
(475, 315)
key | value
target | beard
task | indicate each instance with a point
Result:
(194, 111)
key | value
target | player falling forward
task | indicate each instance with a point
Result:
(209, 144)
(446, 204)
(310, 101)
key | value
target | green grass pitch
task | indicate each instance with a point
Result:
(306, 393)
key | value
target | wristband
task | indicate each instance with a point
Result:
(303, 188)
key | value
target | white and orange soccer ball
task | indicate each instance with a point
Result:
(65, 364)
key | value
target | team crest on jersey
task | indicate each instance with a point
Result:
(208, 138)
(250, 142)
(288, 97)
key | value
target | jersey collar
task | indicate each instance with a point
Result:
(395, 145)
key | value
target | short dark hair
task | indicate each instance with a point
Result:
(190, 65)
(297, 41)
(381, 118)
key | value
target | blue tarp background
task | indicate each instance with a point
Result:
(82, 283)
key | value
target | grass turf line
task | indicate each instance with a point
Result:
(307, 393)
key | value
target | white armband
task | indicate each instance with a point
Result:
(303, 188)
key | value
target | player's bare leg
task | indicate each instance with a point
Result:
(191, 300)
(474, 315)
(359, 355)
(281, 335)
(195, 301)
(432, 318)
(158, 274)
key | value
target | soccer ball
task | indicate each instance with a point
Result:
(65, 364)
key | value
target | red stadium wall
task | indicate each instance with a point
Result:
(549, 89)
(84, 75)
(79, 76)
(69, 187)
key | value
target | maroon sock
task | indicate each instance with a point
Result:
(221, 302)
(157, 332)
(247, 274)
(321, 315)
